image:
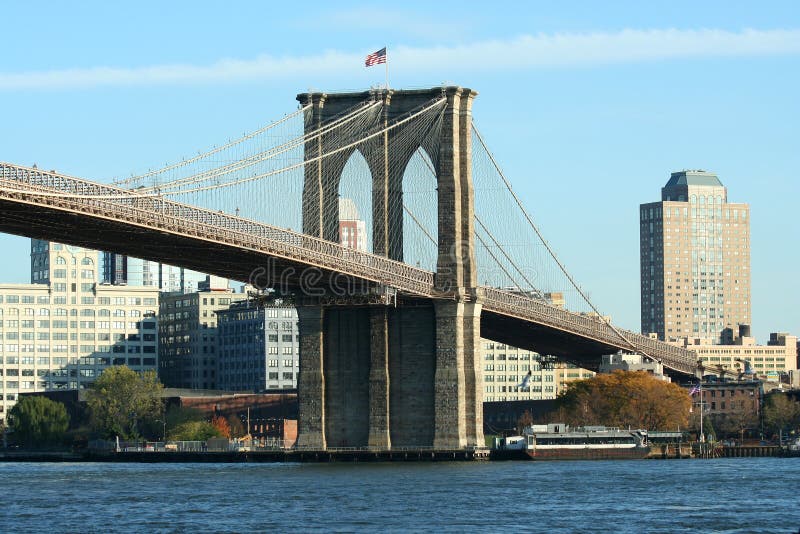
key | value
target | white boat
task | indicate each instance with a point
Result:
(557, 441)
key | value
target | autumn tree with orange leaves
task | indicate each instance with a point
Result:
(221, 424)
(626, 399)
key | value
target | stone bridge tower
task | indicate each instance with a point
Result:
(408, 375)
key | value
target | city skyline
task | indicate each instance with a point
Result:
(609, 104)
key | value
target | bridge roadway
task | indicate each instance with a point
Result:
(52, 206)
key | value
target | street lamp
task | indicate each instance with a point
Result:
(164, 434)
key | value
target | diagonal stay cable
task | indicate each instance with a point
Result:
(505, 254)
(551, 251)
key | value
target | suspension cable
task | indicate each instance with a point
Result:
(212, 151)
(263, 156)
(550, 250)
(314, 159)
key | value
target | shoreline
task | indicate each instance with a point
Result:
(354, 456)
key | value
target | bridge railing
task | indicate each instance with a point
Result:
(525, 307)
(75, 194)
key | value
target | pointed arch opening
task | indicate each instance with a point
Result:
(420, 211)
(355, 204)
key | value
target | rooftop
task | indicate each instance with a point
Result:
(693, 177)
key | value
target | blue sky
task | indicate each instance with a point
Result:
(588, 106)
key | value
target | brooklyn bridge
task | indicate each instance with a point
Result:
(390, 329)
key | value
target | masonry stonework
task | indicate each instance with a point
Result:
(408, 375)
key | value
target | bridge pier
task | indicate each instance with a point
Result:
(311, 380)
(458, 391)
(384, 377)
(379, 387)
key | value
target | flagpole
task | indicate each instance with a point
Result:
(387, 69)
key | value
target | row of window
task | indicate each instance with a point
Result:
(74, 312)
(514, 378)
(130, 349)
(513, 389)
(102, 301)
(84, 336)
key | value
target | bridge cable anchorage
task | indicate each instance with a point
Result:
(311, 160)
(242, 163)
(213, 151)
(550, 250)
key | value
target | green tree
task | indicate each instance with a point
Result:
(38, 422)
(194, 431)
(781, 413)
(121, 398)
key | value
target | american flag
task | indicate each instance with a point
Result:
(695, 389)
(376, 58)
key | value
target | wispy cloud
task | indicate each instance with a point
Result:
(527, 51)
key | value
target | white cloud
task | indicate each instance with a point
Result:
(527, 51)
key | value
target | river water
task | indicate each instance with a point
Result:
(723, 495)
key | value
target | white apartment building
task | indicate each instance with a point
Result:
(505, 368)
(64, 329)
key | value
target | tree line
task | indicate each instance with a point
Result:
(639, 400)
(121, 403)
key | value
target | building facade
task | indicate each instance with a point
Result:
(771, 362)
(258, 347)
(632, 362)
(63, 330)
(188, 337)
(505, 368)
(695, 260)
(352, 229)
(729, 398)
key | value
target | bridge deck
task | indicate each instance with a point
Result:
(52, 206)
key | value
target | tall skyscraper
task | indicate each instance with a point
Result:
(695, 260)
